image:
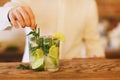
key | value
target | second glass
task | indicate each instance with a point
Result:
(51, 52)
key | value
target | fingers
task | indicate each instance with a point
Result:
(22, 15)
(25, 15)
(19, 18)
(13, 20)
(32, 17)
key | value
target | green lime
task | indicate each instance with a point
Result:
(54, 52)
(38, 64)
(38, 54)
(60, 36)
(54, 60)
(51, 62)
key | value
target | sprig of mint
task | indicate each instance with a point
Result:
(21, 66)
(35, 32)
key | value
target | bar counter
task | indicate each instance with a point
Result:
(75, 69)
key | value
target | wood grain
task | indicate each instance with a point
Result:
(76, 69)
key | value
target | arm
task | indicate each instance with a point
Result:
(94, 47)
(14, 10)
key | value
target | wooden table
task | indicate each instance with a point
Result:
(76, 69)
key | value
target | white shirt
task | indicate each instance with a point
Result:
(76, 19)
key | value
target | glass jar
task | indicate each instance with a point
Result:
(36, 53)
(51, 51)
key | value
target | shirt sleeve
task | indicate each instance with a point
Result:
(94, 47)
(4, 22)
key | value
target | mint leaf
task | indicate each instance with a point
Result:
(34, 33)
(21, 66)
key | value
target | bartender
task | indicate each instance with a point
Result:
(77, 20)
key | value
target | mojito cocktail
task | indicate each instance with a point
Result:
(44, 51)
(36, 53)
(51, 52)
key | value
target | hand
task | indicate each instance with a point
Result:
(22, 15)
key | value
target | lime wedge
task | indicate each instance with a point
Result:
(38, 64)
(54, 52)
(59, 36)
(38, 54)
(51, 62)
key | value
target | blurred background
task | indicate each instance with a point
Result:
(12, 42)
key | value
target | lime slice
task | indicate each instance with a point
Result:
(51, 62)
(54, 52)
(38, 65)
(38, 54)
(59, 36)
